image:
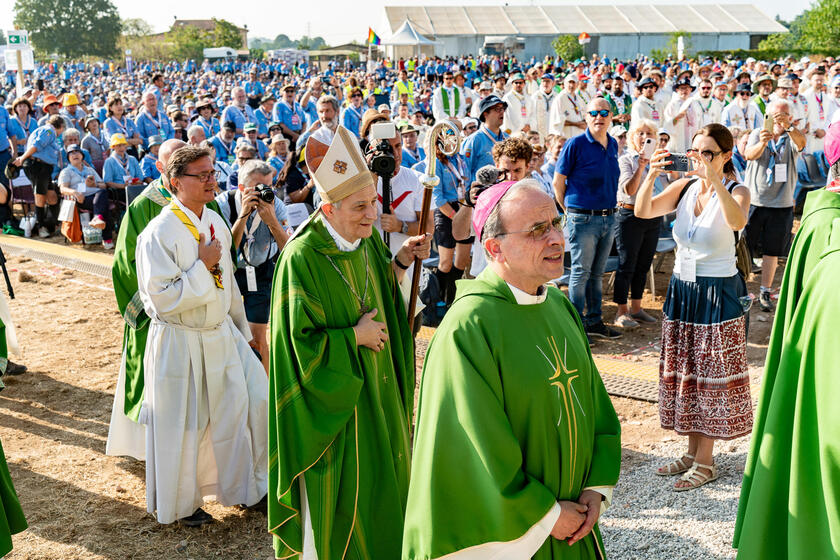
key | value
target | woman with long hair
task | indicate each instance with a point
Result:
(704, 383)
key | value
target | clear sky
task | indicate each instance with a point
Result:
(338, 21)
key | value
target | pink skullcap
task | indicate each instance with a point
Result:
(485, 204)
(832, 140)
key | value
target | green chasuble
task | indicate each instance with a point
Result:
(513, 417)
(12, 520)
(341, 412)
(140, 212)
(789, 496)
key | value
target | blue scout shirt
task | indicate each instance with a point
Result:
(147, 125)
(147, 166)
(293, 117)
(46, 144)
(121, 171)
(477, 149)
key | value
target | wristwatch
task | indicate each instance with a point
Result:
(790, 128)
(404, 228)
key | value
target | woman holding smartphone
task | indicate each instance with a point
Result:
(704, 384)
(635, 238)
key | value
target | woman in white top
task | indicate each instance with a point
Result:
(704, 385)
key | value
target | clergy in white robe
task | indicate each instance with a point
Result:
(683, 117)
(205, 406)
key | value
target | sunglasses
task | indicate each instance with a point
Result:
(519, 83)
(708, 155)
(744, 94)
(356, 95)
(541, 230)
(602, 113)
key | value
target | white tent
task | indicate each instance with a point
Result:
(408, 36)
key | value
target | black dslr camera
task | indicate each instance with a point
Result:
(382, 161)
(265, 193)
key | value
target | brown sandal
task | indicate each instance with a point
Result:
(675, 467)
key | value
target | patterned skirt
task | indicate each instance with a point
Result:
(704, 384)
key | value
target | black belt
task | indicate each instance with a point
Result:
(603, 212)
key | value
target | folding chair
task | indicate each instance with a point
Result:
(132, 192)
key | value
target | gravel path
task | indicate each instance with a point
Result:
(648, 520)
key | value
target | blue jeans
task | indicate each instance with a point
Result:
(590, 241)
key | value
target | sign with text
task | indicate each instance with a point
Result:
(27, 57)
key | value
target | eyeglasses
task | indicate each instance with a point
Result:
(205, 177)
(540, 231)
(705, 88)
(356, 95)
(602, 113)
(519, 83)
(708, 155)
(744, 94)
(648, 86)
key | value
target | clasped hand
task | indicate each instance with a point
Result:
(578, 518)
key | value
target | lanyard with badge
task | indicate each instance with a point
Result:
(158, 123)
(687, 258)
(776, 172)
(127, 176)
(231, 157)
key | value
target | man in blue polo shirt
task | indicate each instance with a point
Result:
(152, 121)
(290, 115)
(253, 89)
(585, 185)
(477, 149)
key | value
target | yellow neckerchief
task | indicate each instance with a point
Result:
(216, 271)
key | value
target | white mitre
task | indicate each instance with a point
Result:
(337, 165)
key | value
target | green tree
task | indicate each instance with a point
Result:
(189, 42)
(283, 42)
(567, 47)
(136, 27)
(225, 34)
(821, 26)
(72, 28)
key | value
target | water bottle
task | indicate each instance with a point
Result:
(28, 222)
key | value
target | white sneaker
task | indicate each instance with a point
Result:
(97, 222)
(108, 245)
(43, 233)
(626, 322)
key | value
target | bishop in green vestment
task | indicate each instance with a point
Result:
(12, 520)
(790, 495)
(125, 437)
(342, 377)
(517, 444)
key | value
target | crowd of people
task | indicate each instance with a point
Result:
(241, 197)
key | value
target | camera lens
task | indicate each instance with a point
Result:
(265, 193)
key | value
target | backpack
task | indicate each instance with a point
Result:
(743, 257)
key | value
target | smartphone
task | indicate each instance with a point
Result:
(679, 162)
(39, 84)
(768, 123)
(648, 148)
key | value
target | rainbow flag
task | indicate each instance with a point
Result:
(373, 38)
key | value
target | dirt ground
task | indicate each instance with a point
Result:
(81, 504)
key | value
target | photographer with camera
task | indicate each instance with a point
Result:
(256, 218)
(401, 187)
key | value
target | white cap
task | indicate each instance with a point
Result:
(338, 168)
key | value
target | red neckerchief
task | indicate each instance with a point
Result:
(833, 186)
